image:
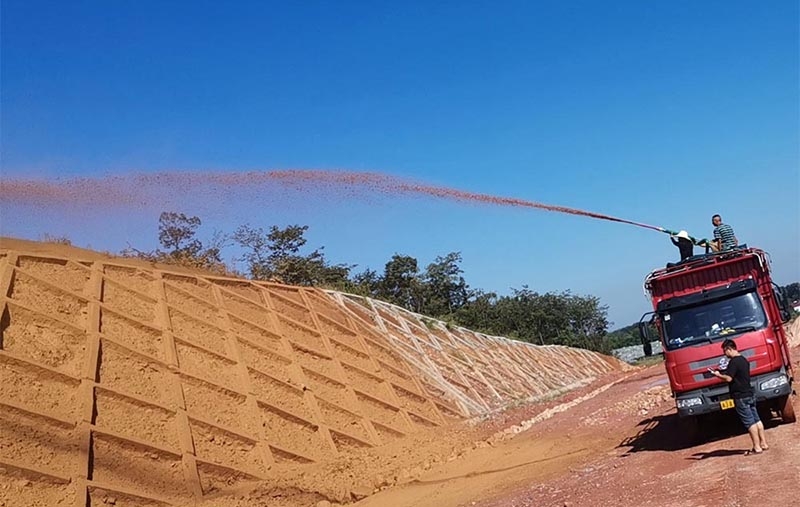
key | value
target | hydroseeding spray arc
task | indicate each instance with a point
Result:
(143, 189)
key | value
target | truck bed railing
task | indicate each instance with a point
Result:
(704, 260)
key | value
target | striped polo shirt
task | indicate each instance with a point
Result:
(724, 233)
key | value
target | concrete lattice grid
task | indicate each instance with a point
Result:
(159, 387)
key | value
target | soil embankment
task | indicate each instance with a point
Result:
(134, 384)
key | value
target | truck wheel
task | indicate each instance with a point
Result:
(765, 411)
(787, 409)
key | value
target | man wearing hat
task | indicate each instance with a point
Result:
(684, 244)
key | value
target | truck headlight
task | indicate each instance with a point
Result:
(773, 383)
(689, 402)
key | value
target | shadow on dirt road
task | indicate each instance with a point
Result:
(719, 453)
(668, 432)
(659, 433)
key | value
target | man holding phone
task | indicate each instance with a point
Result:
(737, 375)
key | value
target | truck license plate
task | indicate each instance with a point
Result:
(726, 404)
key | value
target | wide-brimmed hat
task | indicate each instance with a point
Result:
(682, 234)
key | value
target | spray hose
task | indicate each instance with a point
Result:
(698, 242)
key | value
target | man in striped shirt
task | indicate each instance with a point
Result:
(724, 238)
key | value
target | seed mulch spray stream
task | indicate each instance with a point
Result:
(144, 188)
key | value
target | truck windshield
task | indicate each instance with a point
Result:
(711, 321)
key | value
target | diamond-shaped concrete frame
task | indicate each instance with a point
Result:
(160, 387)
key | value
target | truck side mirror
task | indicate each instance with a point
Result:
(783, 303)
(648, 349)
(644, 334)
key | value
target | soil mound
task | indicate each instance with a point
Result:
(138, 385)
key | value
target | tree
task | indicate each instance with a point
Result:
(624, 336)
(276, 255)
(400, 283)
(792, 291)
(588, 322)
(479, 313)
(365, 283)
(551, 318)
(257, 255)
(176, 233)
(444, 289)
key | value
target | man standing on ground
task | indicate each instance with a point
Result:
(724, 238)
(737, 375)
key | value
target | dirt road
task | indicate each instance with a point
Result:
(620, 447)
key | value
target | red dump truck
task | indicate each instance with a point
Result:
(700, 302)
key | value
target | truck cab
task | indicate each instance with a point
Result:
(706, 299)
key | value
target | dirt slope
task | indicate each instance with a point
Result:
(793, 331)
(127, 383)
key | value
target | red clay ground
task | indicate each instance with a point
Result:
(622, 447)
(616, 442)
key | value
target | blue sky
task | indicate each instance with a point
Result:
(659, 112)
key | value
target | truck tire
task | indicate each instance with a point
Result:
(765, 411)
(787, 409)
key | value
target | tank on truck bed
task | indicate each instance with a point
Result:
(706, 299)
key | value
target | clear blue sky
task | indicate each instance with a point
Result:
(660, 112)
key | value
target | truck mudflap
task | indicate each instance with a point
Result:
(715, 398)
